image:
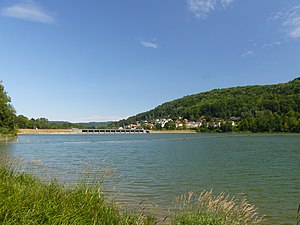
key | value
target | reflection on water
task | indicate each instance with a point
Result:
(158, 167)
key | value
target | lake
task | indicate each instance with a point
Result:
(158, 167)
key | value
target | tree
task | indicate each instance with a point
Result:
(7, 114)
(278, 123)
(158, 126)
(42, 123)
(227, 126)
(171, 125)
(264, 121)
(22, 122)
(246, 123)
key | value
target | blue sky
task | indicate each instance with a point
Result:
(107, 60)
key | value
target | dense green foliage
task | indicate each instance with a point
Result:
(26, 200)
(256, 108)
(42, 123)
(7, 114)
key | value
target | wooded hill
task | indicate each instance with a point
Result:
(263, 103)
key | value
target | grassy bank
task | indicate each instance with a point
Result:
(27, 200)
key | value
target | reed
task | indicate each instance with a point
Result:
(298, 216)
(208, 209)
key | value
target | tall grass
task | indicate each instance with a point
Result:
(208, 209)
(26, 200)
(298, 216)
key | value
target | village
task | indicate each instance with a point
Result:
(183, 124)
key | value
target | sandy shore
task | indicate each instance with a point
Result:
(46, 131)
(72, 131)
(172, 131)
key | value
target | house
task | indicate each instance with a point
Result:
(193, 124)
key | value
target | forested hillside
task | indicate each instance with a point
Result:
(7, 114)
(258, 108)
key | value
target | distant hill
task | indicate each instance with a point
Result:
(228, 102)
(84, 124)
(59, 122)
(95, 124)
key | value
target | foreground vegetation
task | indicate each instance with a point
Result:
(27, 200)
(208, 209)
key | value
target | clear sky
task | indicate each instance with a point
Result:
(106, 60)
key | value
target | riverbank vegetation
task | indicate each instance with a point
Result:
(27, 200)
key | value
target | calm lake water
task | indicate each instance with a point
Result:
(158, 167)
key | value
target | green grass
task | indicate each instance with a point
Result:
(26, 200)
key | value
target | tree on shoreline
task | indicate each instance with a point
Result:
(7, 114)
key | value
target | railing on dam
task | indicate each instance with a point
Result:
(114, 131)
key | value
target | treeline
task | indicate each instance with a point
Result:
(40, 123)
(261, 121)
(259, 108)
(22, 122)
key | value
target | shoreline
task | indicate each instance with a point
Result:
(172, 131)
(74, 131)
(47, 131)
